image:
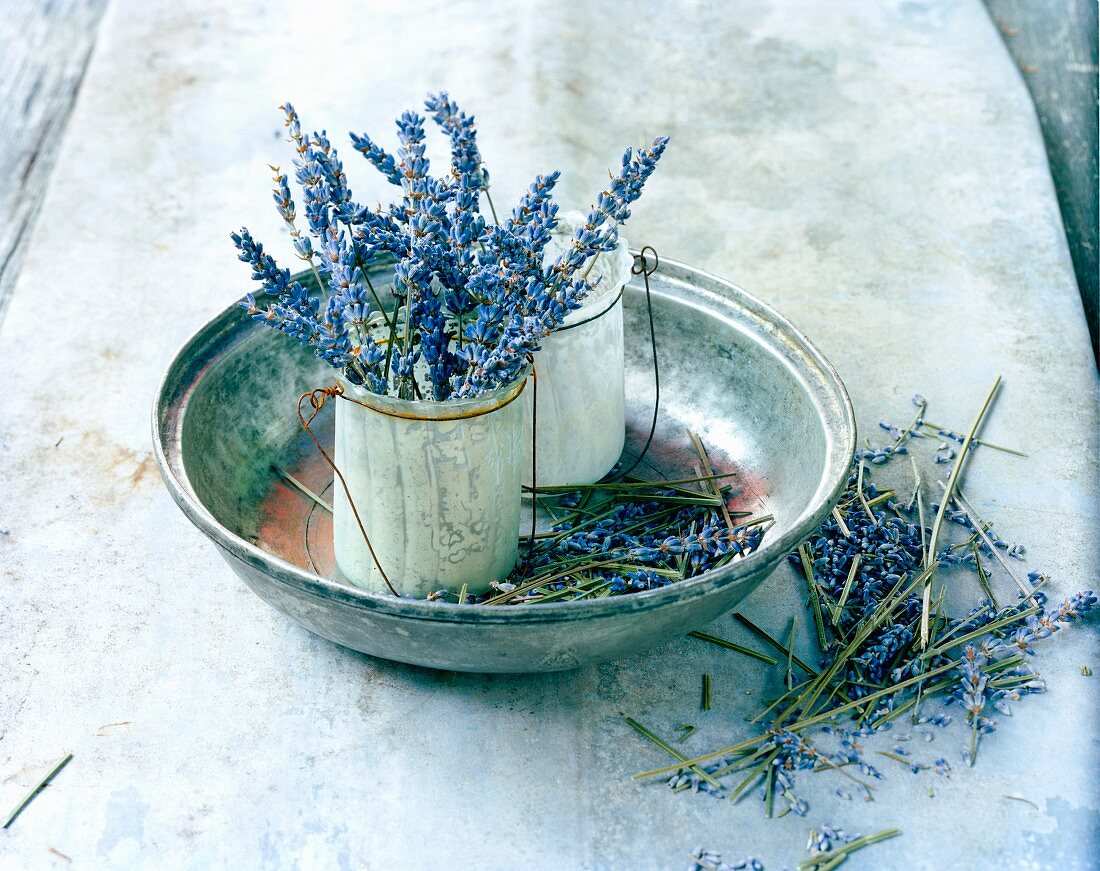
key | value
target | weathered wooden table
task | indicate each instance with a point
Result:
(874, 172)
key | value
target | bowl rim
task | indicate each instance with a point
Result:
(840, 434)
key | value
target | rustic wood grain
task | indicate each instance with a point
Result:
(1054, 45)
(44, 51)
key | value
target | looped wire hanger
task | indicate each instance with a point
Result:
(317, 399)
(645, 264)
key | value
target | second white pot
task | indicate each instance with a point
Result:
(580, 418)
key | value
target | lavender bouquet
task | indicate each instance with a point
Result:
(470, 299)
(431, 443)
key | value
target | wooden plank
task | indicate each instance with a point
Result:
(44, 51)
(1054, 45)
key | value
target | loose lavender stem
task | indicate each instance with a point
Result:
(990, 445)
(952, 482)
(983, 578)
(731, 645)
(669, 749)
(839, 518)
(847, 590)
(776, 645)
(38, 787)
(302, 488)
(824, 860)
(815, 597)
(862, 497)
(979, 529)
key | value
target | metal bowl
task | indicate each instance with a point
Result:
(767, 404)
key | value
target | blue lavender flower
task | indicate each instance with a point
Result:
(273, 280)
(972, 682)
(466, 160)
(708, 860)
(823, 840)
(600, 231)
(379, 157)
(471, 302)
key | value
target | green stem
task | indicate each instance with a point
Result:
(983, 630)
(730, 645)
(952, 483)
(822, 860)
(844, 593)
(983, 579)
(1013, 451)
(768, 639)
(669, 749)
(862, 497)
(815, 598)
(38, 787)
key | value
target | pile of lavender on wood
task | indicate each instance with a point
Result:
(469, 299)
(889, 650)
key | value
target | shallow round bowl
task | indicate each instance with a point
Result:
(770, 409)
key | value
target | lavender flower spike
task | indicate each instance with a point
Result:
(471, 301)
(459, 127)
(382, 160)
(600, 231)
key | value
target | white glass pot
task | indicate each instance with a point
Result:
(580, 419)
(437, 486)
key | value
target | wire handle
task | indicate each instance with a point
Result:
(317, 399)
(645, 267)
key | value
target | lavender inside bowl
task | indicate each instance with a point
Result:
(768, 405)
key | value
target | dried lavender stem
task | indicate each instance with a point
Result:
(378, 302)
(731, 645)
(542, 581)
(704, 459)
(790, 651)
(968, 509)
(38, 787)
(742, 764)
(624, 484)
(846, 591)
(989, 445)
(850, 847)
(840, 522)
(984, 630)
(815, 597)
(769, 791)
(983, 579)
(777, 702)
(492, 208)
(669, 749)
(767, 639)
(862, 497)
(882, 497)
(952, 482)
(752, 777)
(302, 488)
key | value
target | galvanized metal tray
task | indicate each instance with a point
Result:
(768, 405)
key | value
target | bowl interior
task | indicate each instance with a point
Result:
(760, 401)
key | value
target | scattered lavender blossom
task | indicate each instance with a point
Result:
(864, 568)
(708, 860)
